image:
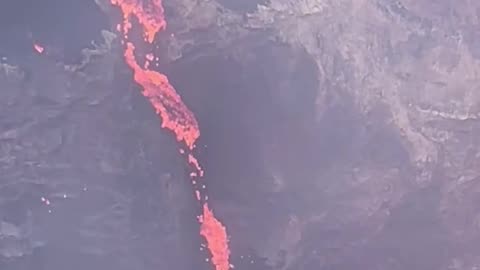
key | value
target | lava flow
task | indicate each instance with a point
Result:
(174, 114)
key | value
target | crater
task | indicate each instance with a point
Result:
(248, 109)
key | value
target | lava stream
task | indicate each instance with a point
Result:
(174, 114)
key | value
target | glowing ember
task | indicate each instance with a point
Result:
(173, 112)
(38, 48)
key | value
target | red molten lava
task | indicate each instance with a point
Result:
(216, 236)
(38, 48)
(174, 114)
(167, 103)
(149, 15)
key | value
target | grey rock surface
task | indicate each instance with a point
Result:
(88, 179)
(392, 122)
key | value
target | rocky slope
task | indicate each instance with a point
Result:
(87, 177)
(335, 135)
(387, 175)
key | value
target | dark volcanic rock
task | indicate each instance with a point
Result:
(88, 178)
(335, 135)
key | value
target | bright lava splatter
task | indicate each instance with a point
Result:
(174, 114)
(38, 48)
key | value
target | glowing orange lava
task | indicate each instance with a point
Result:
(174, 114)
(167, 103)
(38, 48)
(216, 236)
(149, 14)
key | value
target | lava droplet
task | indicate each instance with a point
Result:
(38, 48)
(174, 114)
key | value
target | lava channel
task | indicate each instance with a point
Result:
(175, 115)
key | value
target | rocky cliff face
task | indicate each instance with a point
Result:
(383, 172)
(335, 135)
